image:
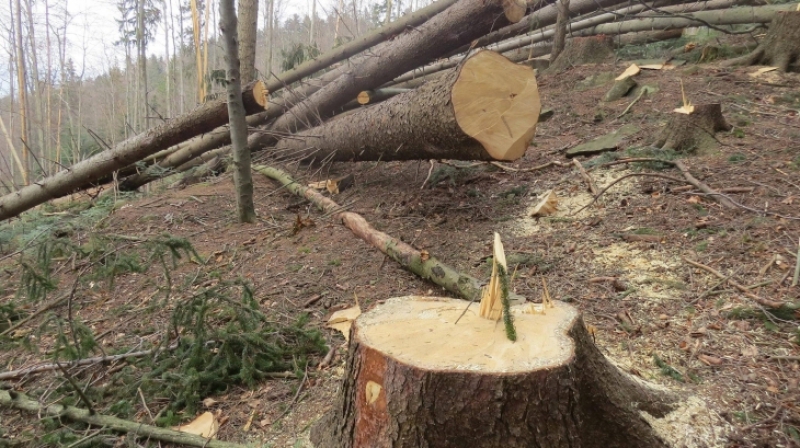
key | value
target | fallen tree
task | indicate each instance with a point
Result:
(188, 150)
(487, 109)
(203, 119)
(461, 23)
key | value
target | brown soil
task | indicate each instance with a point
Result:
(743, 363)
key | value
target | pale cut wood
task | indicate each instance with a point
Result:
(497, 108)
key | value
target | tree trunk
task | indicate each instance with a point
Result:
(487, 109)
(203, 119)
(414, 378)
(141, 45)
(459, 24)
(248, 26)
(22, 75)
(241, 155)
(198, 56)
(560, 36)
(693, 132)
(780, 47)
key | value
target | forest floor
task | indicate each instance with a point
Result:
(622, 260)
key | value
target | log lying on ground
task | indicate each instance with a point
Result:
(732, 16)
(20, 401)
(487, 109)
(780, 47)
(203, 119)
(460, 24)
(416, 378)
(422, 264)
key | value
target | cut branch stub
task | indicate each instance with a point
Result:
(416, 378)
(694, 131)
(486, 109)
(780, 47)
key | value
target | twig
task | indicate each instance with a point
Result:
(796, 266)
(81, 362)
(57, 301)
(296, 396)
(701, 186)
(743, 289)
(641, 92)
(585, 176)
(328, 359)
(662, 176)
(430, 171)
(78, 390)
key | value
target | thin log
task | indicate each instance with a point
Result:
(743, 289)
(701, 186)
(22, 402)
(39, 368)
(424, 265)
(203, 119)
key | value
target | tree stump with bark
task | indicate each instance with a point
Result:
(583, 50)
(694, 131)
(485, 109)
(417, 376)
(780, 47)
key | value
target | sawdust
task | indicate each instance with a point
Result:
(651, 272)
(691, 425)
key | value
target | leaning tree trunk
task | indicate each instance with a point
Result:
(780, 47)
(487, 109)
(203, 119)
(417, 376)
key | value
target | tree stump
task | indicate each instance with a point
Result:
(695, 131)
(781, 46)
(416, 378)
(583, 50)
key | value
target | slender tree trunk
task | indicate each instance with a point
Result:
(198, 55)
(141, 45)
(270, 39)
(22, 89)
(313, 21)
(236, 114)
(36, 120)
(206, 84)
(248, 26)
(560, 37)
(179, 60)
(167, 61)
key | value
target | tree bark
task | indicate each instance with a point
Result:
(203, 119)
(560, 36)
(248, 26)
(242, 177)
(414, 378)
(487, 109)
(695, 131)
(459, 24)
(780, 47)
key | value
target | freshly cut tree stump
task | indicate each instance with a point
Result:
(583, 50)
(695, 131)
(486, 109)
(416, 378)
(781, 46)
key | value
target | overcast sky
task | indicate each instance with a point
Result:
(93, 30)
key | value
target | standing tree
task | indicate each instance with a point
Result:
(248, 26)
(236, 115)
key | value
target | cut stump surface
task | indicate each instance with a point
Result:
(415, 378)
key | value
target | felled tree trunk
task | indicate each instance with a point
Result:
(416, 378)
(486, 109)
(780, 47)
(695, 131)
(203, 119)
